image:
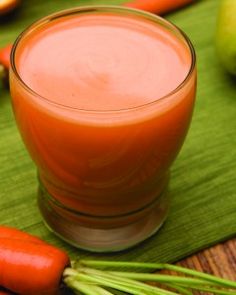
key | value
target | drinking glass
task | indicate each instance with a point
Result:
(103, 175)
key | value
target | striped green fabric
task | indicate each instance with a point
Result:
(203, 185)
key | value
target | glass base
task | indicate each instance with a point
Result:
(102, 234)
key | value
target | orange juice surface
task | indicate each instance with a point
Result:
(103, 119)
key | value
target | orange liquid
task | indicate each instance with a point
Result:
(99, 130)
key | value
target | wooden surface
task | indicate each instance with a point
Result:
(219, 260)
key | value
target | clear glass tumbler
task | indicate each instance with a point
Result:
(103, 174)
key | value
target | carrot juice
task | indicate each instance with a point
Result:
(103, 98)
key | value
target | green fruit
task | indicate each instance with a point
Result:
(226, 35)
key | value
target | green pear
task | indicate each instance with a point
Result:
(226, 35)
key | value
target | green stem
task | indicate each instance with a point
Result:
(159, 266)
(161, 278)
(114, 264)
(102, 291)
(207, 277)
(128, 282)
(80, 286)
(214, 291)
(69, 272)
(180, 289)
(80, 277)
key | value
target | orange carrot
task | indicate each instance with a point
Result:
(28, 267)
(5, 63)
(13, 233)
(158, 6)
(5, 56)
(31, 268)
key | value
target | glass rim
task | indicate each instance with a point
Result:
(104, 8)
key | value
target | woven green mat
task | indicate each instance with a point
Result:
(203, 185)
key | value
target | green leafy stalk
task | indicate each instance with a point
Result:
(160, 278)
(101, 281)
(180, 289)
(85, 278)
(102, 291)
(159, 266)
(81, 286)
(214, 290)
(219, 281)
(126, 281)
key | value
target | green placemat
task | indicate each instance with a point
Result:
(203, 186)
